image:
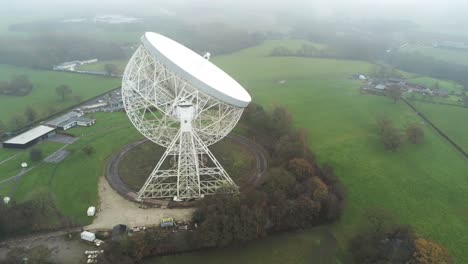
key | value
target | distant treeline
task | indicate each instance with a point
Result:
(373, 47)
(19, 85)
(35, 215)
(54, 42)
(44, 51)
(425, 65)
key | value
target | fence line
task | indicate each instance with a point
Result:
(455, 145)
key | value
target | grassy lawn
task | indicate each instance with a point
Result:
(43, 98)
(430, 82)
(424, 185)
(311, 246)
(73, 183)
(451, 120)
(11, 167)
(444, 54)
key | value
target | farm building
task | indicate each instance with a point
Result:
(71, 119)
(115, 104)
(29, 137)
(76, 121)
(64, 118)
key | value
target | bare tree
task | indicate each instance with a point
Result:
(35, 154)
(62, 91)
(415, 133)
(30, 114)
(110, 69)
(394, 92)
(3, 129)
(390, 136)
(17, 121)
(88, 150)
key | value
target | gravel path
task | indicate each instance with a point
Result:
(114, 209)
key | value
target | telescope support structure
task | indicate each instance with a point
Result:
(194, 172)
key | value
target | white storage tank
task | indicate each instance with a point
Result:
(88, 236)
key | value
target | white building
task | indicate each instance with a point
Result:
(29, 137)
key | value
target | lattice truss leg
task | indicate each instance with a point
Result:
(191, 171)
(152, 96)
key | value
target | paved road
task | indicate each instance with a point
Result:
(118, 185)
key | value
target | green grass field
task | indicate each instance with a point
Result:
(430, 82)
(12, 158)
(451, 120)
(43, 98)
(421, 185)
(73, 183)
(448, 55)
(424, 186)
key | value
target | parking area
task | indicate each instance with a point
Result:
(64, 139)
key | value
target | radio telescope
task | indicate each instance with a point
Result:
(183, 102)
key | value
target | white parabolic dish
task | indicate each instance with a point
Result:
(198, 71)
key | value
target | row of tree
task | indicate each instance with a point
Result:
(19, 85)
(30, 115)
(45, 50)
(392, 138)
(60, 42)
(429, 66)
(306, 50)
(31, 216)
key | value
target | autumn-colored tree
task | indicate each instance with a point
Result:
(62, 91)
(301, 168)
(415, 133)
(429, 252)
(319, 189)
(278, 179)
(281, 120)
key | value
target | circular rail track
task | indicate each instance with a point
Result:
(115, 181)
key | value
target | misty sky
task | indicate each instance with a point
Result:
(417, 10)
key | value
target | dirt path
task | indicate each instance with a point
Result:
(114, 209)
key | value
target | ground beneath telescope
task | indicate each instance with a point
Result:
(239, 160)
(114, 209)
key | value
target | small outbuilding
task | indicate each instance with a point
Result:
(91, 211)
(88, 236)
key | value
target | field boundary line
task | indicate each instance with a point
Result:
(7, 159)
(440, 132)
